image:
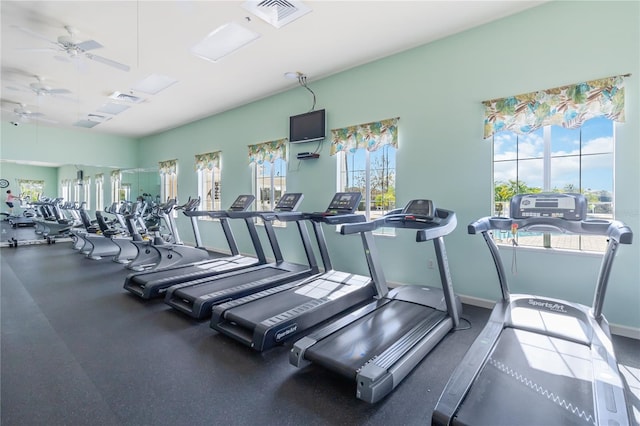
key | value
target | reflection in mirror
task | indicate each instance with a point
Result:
(140, 183)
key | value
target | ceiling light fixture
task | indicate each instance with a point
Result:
(113, 108)
(223, 41)
(154, 84)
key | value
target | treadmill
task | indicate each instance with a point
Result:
(379, 344)
(154, 283)
(540, 360)
(195, 298)
(274, 316)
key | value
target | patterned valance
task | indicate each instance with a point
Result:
(116, 175)
(30, 182)
(169, 167)
(268, 151)
(566, 106)
(100, 178)
(67, 182)
(371, 136)
(208, 161)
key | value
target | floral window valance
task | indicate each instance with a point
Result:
(30, 182)
(208, 161)
(371, 136)
(169, 167)
(268, 151)
(116, 176)
(100, 178)
(566, 106)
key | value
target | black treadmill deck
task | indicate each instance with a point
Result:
(351, 347)
(536, 379)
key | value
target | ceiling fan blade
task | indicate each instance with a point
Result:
(59, 91)
(34, 34)
(89, 45)
(45, 49)
(46, 120)
(108, 62)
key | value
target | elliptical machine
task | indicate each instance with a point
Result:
(158, 253)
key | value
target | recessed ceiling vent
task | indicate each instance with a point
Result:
(124, 97)
(277, 12)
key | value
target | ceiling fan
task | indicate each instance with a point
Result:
(41, 89)
(24, 115)
(66, 43)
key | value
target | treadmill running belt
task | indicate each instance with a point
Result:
(532, 379)
(223, 283)
(351, 347)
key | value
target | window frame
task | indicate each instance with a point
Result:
(367, 197)
(547, 186)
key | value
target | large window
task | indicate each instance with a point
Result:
(557, 140)
(77, 185)
(374, 175)
(86, 182)
(555, 159)
(30, 190)
(116, 183)
(168, 180)
(99, 192)
(366, 156)
(208, 171)
(65, 187)
(269, 163)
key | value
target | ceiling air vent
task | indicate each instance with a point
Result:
(277, 12)
(124, 97)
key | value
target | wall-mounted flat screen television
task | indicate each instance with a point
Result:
(307, 127)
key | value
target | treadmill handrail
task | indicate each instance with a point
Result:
(613, 229)
(429, 227)
(335, 219)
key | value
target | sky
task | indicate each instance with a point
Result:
(597, 156)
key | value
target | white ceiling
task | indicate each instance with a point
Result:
(156, 37)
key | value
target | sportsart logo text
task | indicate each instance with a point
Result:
(281, 334)
(556, 307)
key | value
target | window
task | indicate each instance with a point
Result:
(560, 140)
(168, 180)
(373, 174)
(87, 191)
(30, 190)
(99, 192)
(208, 171)
(270, 172)
(66, 189)
(76, 190)
(116, 182)
(125, 192)
(366, 156)
(555, 159)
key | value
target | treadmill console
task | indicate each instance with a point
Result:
(420, 208)
(562, 206)
(289, 202)
(344, 203)
(242, 203)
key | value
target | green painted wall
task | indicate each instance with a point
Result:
(437, 90)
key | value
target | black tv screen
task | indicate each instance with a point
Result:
(307, 127)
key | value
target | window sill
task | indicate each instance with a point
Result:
(551, 250)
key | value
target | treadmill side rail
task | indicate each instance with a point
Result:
(460, 382)
(383, 374)
(608, 388)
